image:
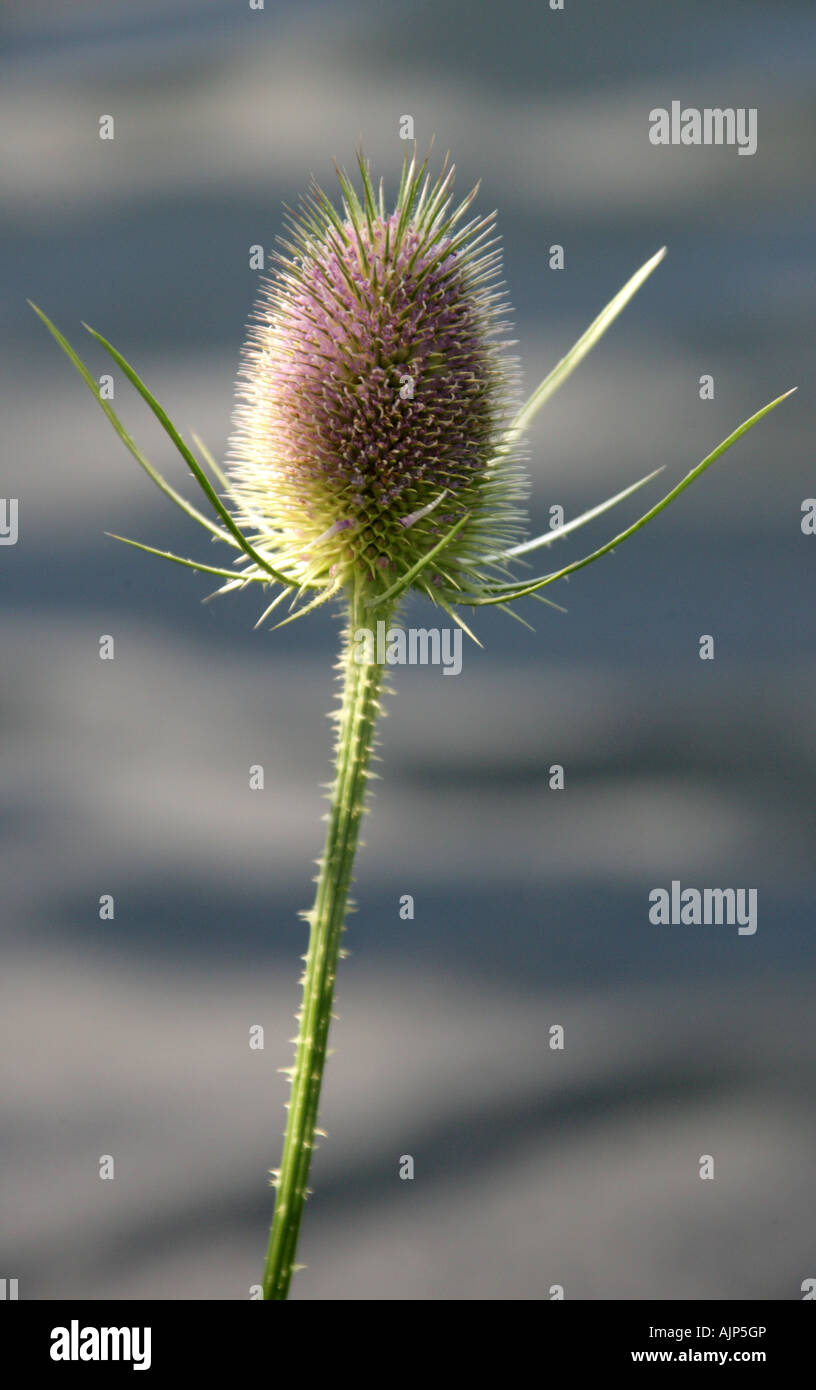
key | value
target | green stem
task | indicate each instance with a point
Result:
(355, 734)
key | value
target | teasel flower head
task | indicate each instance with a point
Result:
(377, 440)
(376, 395)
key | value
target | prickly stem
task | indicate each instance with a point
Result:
(355, 736)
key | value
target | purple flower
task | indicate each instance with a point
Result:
(377, 380)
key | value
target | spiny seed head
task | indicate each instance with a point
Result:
(376, 393)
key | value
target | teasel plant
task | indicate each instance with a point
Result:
(378, 450)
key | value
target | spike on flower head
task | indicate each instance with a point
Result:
(376, 394)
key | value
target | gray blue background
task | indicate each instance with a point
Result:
(533, 1167)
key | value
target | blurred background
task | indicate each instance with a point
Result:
(130, 1038)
